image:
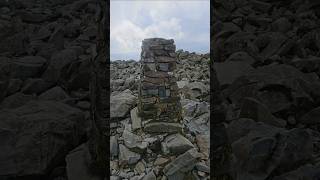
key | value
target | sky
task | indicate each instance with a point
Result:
(131, 21)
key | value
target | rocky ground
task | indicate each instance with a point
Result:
(45, 52)
(266, 89)
(135, 155)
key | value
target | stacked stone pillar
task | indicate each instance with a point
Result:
(159, 103)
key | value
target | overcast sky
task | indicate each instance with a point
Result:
(185, 21)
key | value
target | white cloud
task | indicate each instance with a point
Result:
(133, 21)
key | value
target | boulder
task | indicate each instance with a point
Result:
(126, 156)
(182, 164)
(16, 100)
(121, 104)
(37, 136)
(35, 86)
(14, 86)
(23, 67)
(77, 164)
(56, 93)
(176, 144)
(58, 62)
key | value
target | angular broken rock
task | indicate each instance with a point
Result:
(113, 146)
(121, 103)
(182, 163)
(162, 127)
(133, 141)
(135, 119)
(253, 109)
(176, 144)
(77, 164)
(150, 176)
(126, 156)
(311, 117)
(224, 69)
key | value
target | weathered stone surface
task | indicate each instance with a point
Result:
(224, 70)
(113, 146)
(127, 156)
(59, 61)
(35, 86)
(135, 119)
(150, 176)
(203, 142)
(162, 127)
(77, 164)
(24, 67)
(16, 100)
(14, 86)
(182, 164)
(257, 111)
(133, 141)
(32, 135)
(120, 104)
(311, 117)
(55, 93)
(176, 144)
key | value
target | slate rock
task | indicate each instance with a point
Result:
(237, 68)
(311, 117)
(182, 163)
(120, 104)
(35, 86)
(127, 156)
(135, 119)
(14, 86)
(162, 127)
(150, 176)
(177, 144)
(57, 62)
(77, 164)
(257, 111)
(133, 141)
(56, 93)
(113, 146)
(16, 100)
(25, 67)
(39, 135)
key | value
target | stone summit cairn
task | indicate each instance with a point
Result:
(159, 102)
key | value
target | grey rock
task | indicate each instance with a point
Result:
(200, 166)
(77, 164)
(14, 86)
(127, 156)
(135, 119)
(16, 100)
(84, 105)
(203, 142)
(120, 104)
(238, 68)
(182, 164)
(162, 127)
(55, 93)
(133, 141)
(35, 130)
(150, 176)
(24, 67)
(35, 86)
(177, 144)
(113, 146)
(311, 117)
(257, 111)
(59, 61)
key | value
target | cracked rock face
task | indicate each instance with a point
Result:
(269, 104)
